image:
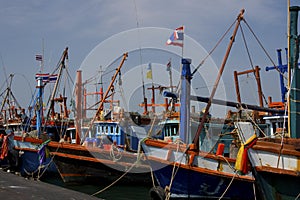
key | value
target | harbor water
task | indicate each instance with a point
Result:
(114, 192)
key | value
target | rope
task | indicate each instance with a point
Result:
(250, 60)
(152, 176)
(254, 123)
(46, 167)
(112, 154)
(168, 188)
(294, 100)
(282, 134)
(254, 191)
(139, 156)
(213, 49)
(227, 163)
(152, 125)
(228, 186)
(246, 46)
(297, 197)
(117, 180)
(110, 185)
(297, 89)
(260, 44)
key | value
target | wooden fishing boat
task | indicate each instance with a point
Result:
(182, 171)
(275, 160)
(183, 168)
(106, 150)
(28, 145)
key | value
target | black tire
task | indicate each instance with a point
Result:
(157, 193)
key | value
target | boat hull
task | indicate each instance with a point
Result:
(77, 163)
(195, 184)
(277, 186)
(276, 168)
(190, 174)
(27, 159)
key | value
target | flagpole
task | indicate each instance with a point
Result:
(182, 43)
(180, 69)
(42, 62)
(170, 74)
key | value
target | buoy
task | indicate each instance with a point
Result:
(157, 193)
(220, 149)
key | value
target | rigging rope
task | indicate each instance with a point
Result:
(250, 60)
(213, 49)
(260, 44)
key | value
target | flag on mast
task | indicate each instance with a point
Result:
(169, 66)
(39, 57)
(149, 71)
(176, 38)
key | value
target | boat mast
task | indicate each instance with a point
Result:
(61, 67)
(203, 119)
(100, 108)
(78, 106)
(294, 106)
(40, 87)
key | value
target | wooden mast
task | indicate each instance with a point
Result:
(61, 66)
(203, 119)
(100, 107)
(78, 106)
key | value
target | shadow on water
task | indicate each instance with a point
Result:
(115, 192)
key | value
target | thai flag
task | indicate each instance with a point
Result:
(52, 78)
(43, 76)
(176, 38)
(39, 57)
(47, 77)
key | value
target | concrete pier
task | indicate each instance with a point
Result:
(13, 187)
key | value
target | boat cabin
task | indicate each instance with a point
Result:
(277, 124)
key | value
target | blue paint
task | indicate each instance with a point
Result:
(186, 77)
(283, 69)
(40, 105)
(192, 183)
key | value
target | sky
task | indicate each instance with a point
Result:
(36, 26)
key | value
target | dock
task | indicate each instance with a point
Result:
(14, 187)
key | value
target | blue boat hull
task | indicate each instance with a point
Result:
(30, 165)
(195, 184)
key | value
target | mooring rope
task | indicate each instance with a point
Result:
(46, 167)
(228, 186)
(110, 185)
(126, 172)
(168, 188)
(297, 197)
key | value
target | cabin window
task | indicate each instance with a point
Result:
(117, 129)
(111, 131)
(174, 130)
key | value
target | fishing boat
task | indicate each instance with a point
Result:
(106, 150)
(28, 145)
(184, 168)
(12, 121)
(275, 159)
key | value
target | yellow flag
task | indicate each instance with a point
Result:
(149, 71)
